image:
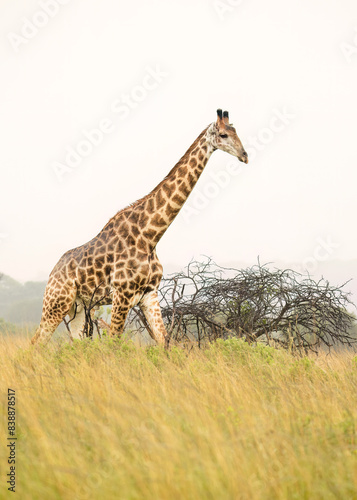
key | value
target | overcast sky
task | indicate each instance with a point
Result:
(99, 100)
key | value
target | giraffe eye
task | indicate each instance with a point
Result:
(224, 136)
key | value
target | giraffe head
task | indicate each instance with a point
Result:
(224, 137)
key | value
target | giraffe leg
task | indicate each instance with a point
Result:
(150, 306)
(77, 320)
(118, 317)
(56, 305)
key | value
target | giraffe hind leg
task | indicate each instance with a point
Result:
(77, 320)
(55, 307)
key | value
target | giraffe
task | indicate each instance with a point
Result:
(120, 266)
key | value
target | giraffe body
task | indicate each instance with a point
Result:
(120, 266)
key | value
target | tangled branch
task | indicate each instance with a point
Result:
(206, 302)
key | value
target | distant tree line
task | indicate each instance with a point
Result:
(21, 303)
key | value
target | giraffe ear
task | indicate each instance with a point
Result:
(219, 122)
(226, 118)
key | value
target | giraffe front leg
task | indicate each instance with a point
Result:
(118, 317)
(150, 307)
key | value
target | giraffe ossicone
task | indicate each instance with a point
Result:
(119, 266)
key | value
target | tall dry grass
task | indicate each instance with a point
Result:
(108, 420)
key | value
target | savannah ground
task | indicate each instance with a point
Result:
(110, 420)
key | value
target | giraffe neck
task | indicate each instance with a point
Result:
(165, 201)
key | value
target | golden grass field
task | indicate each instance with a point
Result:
(109, 420)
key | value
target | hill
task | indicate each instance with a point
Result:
(21, 303)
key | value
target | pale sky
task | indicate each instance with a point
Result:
(150, 74)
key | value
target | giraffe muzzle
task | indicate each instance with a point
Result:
(244, 157)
